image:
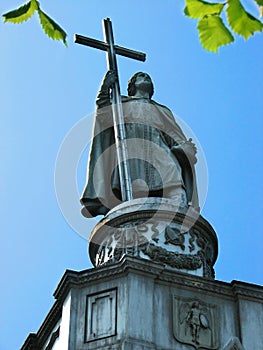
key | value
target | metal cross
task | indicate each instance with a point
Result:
(118, 120)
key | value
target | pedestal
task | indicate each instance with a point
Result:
(138, 304)
(158, 230)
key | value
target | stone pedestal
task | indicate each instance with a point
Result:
(152, 288)
(138, 304)
(159, 230)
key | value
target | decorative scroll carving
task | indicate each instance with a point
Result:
(195, 323)
(191, 241)
(161, 240)
(125, 240)
(136, 239)
(155, 230)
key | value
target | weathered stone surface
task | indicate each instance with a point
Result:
(156, 229)
(138, 304)
(233, 344)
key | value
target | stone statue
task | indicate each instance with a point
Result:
(161, 159)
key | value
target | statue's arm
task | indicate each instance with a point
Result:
(187, 148)
(103, 97)
(183, 146)
(180, 145)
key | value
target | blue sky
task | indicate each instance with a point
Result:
(46, 89)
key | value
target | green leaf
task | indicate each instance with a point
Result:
(51, 28)
(23, 13)
(241, 21)
(213, 33)
(199, 9)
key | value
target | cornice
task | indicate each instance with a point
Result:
(30, 343)
(161, 273)
(246, 290)
(235, 290)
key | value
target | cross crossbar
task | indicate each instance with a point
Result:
(101, 45)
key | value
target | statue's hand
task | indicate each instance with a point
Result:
(103, 98)
(109, 79)
(189, 149)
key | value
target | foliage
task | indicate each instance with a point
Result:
(213, 32)
(24, 12)
(51, 28)
(199, 9)
(240, 21)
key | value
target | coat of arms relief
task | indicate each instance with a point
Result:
(195, 323)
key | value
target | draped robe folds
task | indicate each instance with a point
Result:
(151, 132)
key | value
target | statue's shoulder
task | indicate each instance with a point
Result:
(161, 106)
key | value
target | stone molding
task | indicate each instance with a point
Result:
(159, 272)
(245, 290)
(101, 305)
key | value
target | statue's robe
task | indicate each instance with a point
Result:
(151, 132)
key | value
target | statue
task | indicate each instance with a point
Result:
(161, 159)
(141, 173)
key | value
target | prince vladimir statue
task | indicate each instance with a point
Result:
(161, 159)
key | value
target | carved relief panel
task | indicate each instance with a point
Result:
(195, 322)
(101, 315)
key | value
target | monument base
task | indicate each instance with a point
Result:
(159, 230)
(137, 304)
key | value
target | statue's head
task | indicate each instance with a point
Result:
(132, 87)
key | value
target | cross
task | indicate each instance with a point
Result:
(118, 121)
